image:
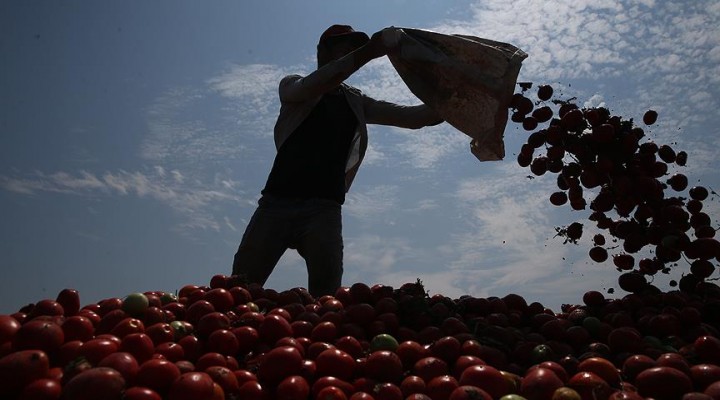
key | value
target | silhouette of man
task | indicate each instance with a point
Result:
(321, 138)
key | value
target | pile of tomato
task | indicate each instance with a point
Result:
(231, 340)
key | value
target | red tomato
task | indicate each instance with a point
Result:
(281, 312)
(331, 393)
(128, 326)
(212, 322)
(247, 337)
(558, 369)
(350, 345)
(221, 299)
(446, 348)
(157, 374)
(39, 335)
(293, 387)
(708, 349)
(95, 384)
(301, 328)
(197, 310)
(20, 368)
(539, 384)
(141, 393)
(223, 341)
(243, 375)
(224, 377)
(253, 390)
(69, 299)
(96, 349)
(410, 352)
(42, 389)
(324, 332)
(192, 346)
(67, 352)
(388, 391)
(430, 367)
(139, 345)
(486, 377)
(589, 385)
(704, 374)
(674, 360)
(279, 363)
(465, 361)
(107, 305)
(78, 327)
(635, 364)
(122, 362)
(274, 327)
(160, 332)
(412, 384)
(91, 315)
(315, 348)
(240, 295)
(326, 381)
(663, 383)
(603, 368)
(440, 387)
(361, 396)
(171, 351)
(291, 341)
(418, 396)
(109, 320)
(335, 362)
(466, 392)
(191, 386)
(46, 307)
(384, 366)
(211, 359)
(8, 327)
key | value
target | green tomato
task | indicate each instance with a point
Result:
(383, 341)
(135, 304)
(167, 298)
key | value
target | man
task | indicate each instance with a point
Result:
(321, 138)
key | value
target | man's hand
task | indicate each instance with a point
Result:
(376, 46)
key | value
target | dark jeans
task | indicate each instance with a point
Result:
(312, 226)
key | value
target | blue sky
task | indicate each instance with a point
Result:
(135, 138)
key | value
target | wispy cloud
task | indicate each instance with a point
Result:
(374, 201)
(193, 201)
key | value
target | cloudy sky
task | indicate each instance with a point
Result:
(135, 138)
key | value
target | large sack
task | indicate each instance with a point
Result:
(469, 81)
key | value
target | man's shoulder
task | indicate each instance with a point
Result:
(291, 78)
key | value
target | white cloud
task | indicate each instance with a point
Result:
(372, 202)
(192, 202)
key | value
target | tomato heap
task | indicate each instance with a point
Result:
(232, 340)
(602, 164)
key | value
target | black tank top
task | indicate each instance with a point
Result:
(311, 162)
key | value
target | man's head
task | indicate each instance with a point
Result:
(337, 41)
